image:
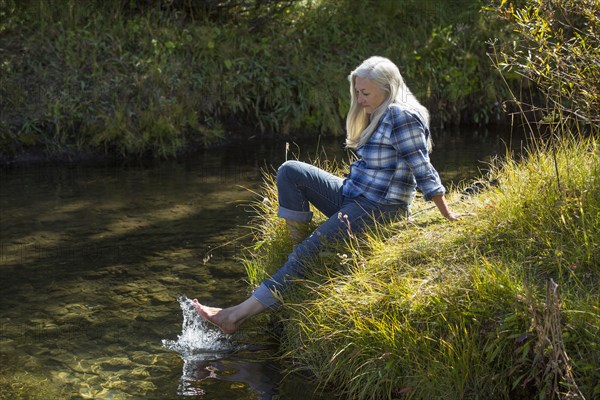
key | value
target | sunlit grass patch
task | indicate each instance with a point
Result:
(382, 330)
(423, 308)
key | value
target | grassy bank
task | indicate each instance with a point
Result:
(428, 309)
(160, 78)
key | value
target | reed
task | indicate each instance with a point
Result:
(429, 309)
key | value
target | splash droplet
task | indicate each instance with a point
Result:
(197, 336)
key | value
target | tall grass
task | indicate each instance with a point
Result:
(429, 309)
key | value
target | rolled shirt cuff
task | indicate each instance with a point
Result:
(430, 196)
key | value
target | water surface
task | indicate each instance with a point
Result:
(93, 260)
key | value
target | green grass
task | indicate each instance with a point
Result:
(430, 309)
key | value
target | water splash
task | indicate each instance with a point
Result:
(208, 365)
(197, 336)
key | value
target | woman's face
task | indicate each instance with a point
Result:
(368, 95)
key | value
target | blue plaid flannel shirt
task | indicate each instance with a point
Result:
(394, 162)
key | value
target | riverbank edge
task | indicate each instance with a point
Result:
(430, 309)
(39, 156)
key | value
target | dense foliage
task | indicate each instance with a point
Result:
(559, 52)
(162, 77)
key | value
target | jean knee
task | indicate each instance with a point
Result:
(288, 172)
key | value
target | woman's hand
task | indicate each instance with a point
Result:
(452, 216)
(440, 202)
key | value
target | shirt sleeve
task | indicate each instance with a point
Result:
(409, 137)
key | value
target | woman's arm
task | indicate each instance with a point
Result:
(441, 204)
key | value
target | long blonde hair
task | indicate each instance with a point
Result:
(386, 75)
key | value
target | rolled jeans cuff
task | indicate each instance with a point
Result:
(300, 216)
(265, 296)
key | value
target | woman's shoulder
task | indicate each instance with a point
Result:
(399, 114)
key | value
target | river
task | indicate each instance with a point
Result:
(93, 259)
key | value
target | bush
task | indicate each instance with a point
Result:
(558, 51)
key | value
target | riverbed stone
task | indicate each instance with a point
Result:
(114, 361)
(138, 373)
(169, 279)
(162, 297)
(141, 357)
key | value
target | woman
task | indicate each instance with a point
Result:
(389, 130)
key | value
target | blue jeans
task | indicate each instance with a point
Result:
(299, 185)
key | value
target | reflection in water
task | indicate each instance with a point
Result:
(92, 259)
(254, 379)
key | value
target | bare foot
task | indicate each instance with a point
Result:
(229, 319)
(222, 318)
